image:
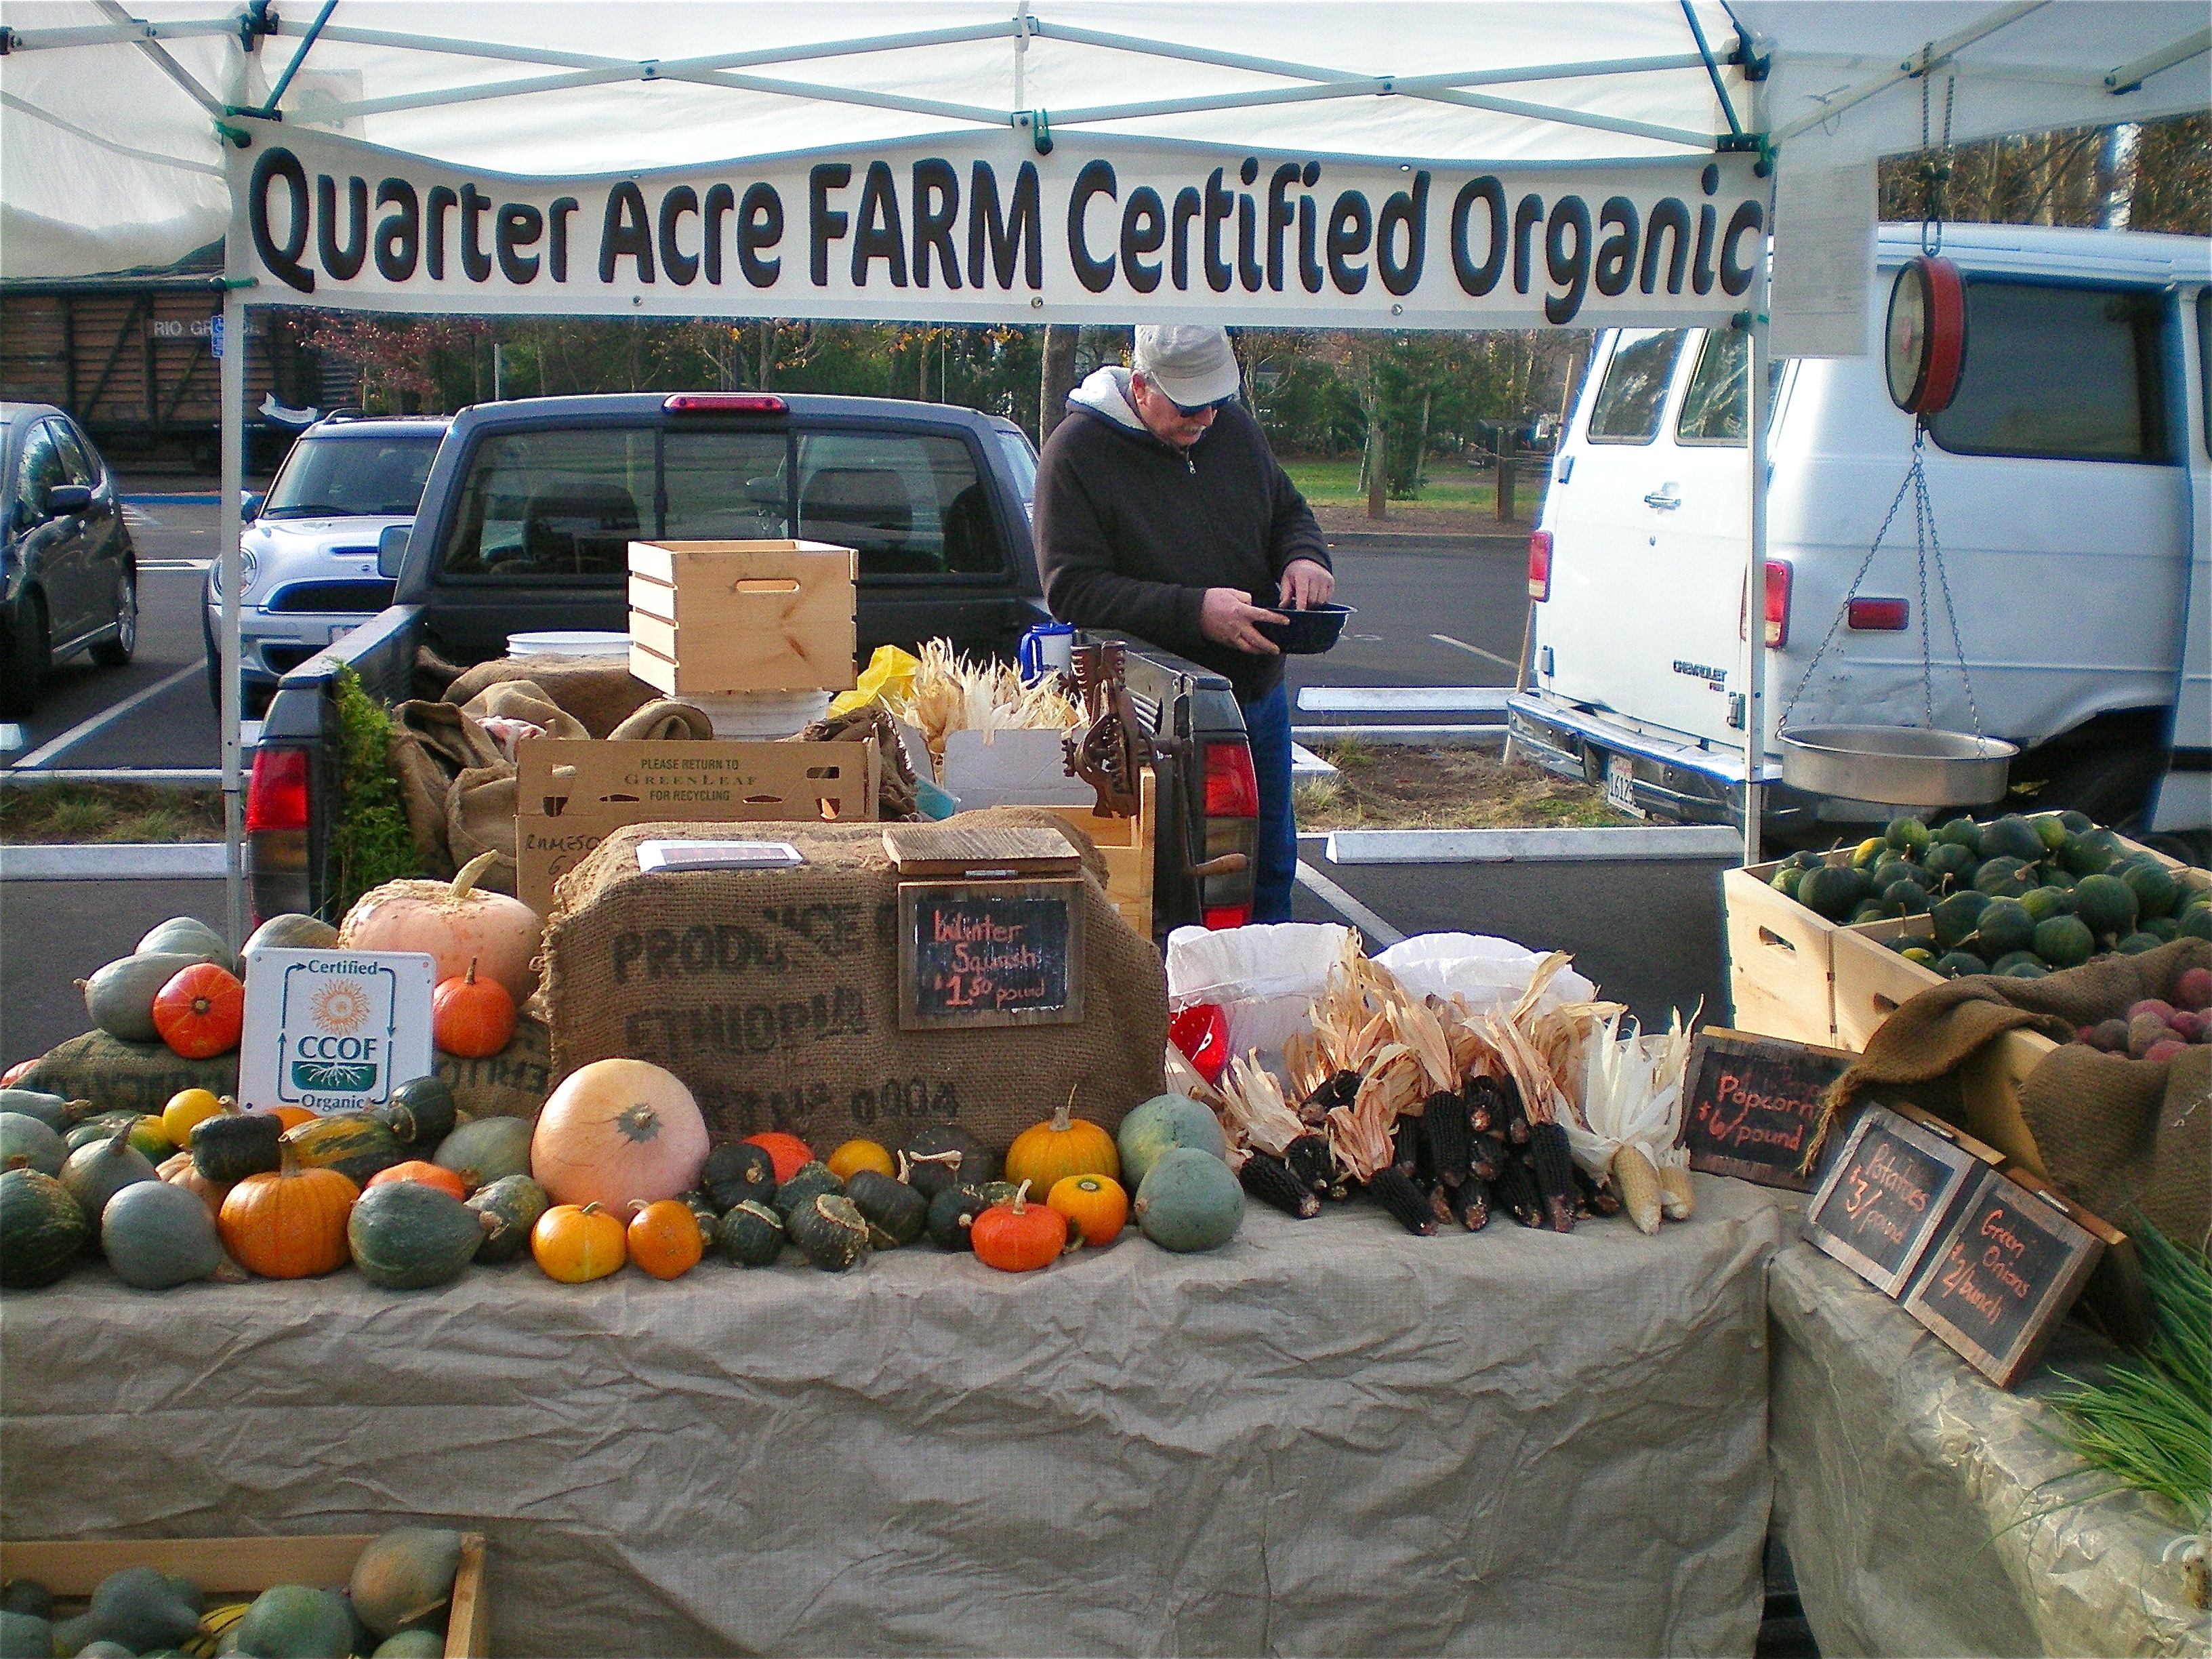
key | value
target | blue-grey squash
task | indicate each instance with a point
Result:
(405, 1579)
(96, 1172)
(25, 1635)
(188, 935)
(119, 997)
(27, 1143)
(1160, 1125)
(155, 1235)
(493, 1147)
(1189, 1201)
(291, 1621)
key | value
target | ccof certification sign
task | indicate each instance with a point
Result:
(334, 1030)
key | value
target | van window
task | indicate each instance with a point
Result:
(1634, 393)
(911, 503)
(1712, 409)
(2060, 373)
(559, 503)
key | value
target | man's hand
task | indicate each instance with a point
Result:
(1227, 617)
(1306, 583)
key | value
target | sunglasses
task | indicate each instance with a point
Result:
(1188, 409)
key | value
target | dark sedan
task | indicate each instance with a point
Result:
(71, 579)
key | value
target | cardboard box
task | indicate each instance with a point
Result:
(239, 1569)
(1022, 768)
(572, 795)
(717, 618)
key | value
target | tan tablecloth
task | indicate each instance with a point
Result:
(1912, 1493)
(1329, 1437)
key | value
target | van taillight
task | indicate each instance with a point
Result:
(1233, 788)
(276, 794)
(1778, 606)
(1879, 616)
(1539, 565)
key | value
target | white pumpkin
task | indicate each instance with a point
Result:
(616, 1131)
(455, 922)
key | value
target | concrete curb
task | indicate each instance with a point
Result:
(209, 498)
(1531, 846)
(190, 861)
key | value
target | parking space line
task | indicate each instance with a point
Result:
(1378, 932)
(106, 717)
(1487, 656)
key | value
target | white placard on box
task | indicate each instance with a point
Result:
(1021, 766)
(334, 1030)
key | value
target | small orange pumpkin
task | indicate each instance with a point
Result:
(425, 1173)
(578, 1242)
(1047, 1153)
(787, 1152)
(663, 1238)
(1094, 1206)
(469, 1016)
(290, 1224)
(200, 1011)
(1018, 1236)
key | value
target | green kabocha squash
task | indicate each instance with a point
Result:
(834, 1235)
(27, 1143)
(119, 997)
(750, 1234)
(514, 1203)
(895, 1209)
(291, 931)
(736, 1172)
(57, 1113)
(357, 1144)
(291, 1621)
(25, 1635)
(235, 1144)
(494, 1147)
(809, 1182)
(96, 1173)
(951, 1213)
(703, 1212)
(406, 1235)
(942, 1155)
(421, 1112)
(156, 1235)
(1189, 1201)
(42, 1228)
(405, 1579)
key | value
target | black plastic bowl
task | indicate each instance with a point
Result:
(1308, 632)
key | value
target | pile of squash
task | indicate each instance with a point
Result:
(182, 985)
(394, 1606)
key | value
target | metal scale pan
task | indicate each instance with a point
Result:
(1897, 765)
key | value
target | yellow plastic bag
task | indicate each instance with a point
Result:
(890, 674)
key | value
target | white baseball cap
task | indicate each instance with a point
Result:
(1190, 364)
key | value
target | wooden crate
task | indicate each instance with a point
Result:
(1871, 980)
(718, 618)
(1128, 846)
(239, 1569)
(1780, 968)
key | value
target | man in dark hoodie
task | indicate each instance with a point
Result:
(1161, 513)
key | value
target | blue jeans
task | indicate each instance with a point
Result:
(1268, 724)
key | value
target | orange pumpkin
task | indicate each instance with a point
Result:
(424, 1174)
(578, 1242)
(664, 1237)
(288, 1224)
(787, 1152)
(200, 1011)
(181, 1171)
(1094, 1206)
(293, 1117)
(854, 1156)
(469, 1016)
(1048, 1153)
(1019, 1237)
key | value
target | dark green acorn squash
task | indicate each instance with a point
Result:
(515, 1203)
(734, 1173)
(809, 1182)
(42, 1228)
(750, 1234)
(236, 1145)
(405, 1236)
(891, 1206)
(355, 1144)
(421, 1112)
(939, 1156)
(834, 1235)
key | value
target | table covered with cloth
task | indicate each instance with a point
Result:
(1329, 1437)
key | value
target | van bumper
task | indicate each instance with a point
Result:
(1678, 782)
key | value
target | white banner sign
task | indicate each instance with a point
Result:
(984, 230)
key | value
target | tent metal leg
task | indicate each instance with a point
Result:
(233, 481)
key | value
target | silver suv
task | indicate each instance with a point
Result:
(309, 549)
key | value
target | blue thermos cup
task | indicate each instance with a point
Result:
(1048, 649)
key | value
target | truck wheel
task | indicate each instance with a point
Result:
(27, 656)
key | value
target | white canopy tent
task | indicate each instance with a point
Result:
(121, 131)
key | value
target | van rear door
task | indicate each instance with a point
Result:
(1648, 528)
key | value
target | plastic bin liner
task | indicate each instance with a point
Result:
(1264, 977)
(1488, 972)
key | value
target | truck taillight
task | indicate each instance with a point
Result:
(1879, 616)
(723, 403)
(1778, 606)
(1232, 789)
(276, 794)
(1539, 565)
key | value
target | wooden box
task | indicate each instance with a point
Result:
(1871, 980)
(239, 1569)
(1128, 845)
(718, 618)
(1780, 970)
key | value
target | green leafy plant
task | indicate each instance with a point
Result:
(370, 842)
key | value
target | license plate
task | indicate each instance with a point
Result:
(1621, 785)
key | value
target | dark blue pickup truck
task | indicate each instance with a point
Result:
(526, 523)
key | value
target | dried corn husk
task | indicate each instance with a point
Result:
(1185, 1079)
(950, 693)
(1253, 1113)
(1632, 1093)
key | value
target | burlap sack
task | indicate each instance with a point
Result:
(2114, 1133)
(665, 721)
(512, 1083)
(117, 1075)
(895, 792)
(480, 818)
(598, 690)
(524, 700)
(773, 993)
(433, 743)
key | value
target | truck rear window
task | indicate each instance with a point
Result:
(1634, 395)
(2073, 374)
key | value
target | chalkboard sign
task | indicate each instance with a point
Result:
(990, 953)
(1754, 1102)
(2002, 1276)
(1885, 1196)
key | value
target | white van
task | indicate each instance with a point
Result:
(2070, 498)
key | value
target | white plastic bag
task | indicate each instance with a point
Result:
(1489, 973)
(1265, 978)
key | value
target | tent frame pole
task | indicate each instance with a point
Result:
(1754, 577)
(229, 525)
